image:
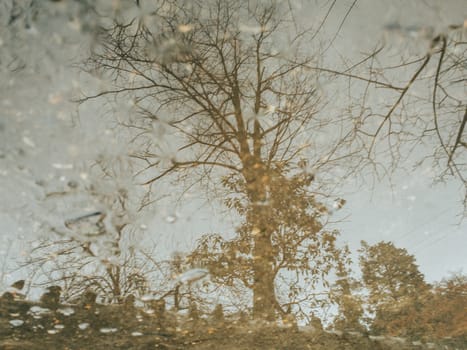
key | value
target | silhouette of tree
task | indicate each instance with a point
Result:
(344, 292)
(444, 309)
(396, 289)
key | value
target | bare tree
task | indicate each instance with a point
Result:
(423, 115)
(95, 250)
(65, 263)
(236, 108)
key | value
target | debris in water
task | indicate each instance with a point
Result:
(171, 219)
(16, 323)
(83, 326)
(108, 330)
(67, 311)
(338, 203)
(192, 275)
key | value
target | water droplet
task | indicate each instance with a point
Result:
(147, 297)
(55, 99)
(338, 204)
(37, 311)
(171, 219)
(108, 330)
(62, 166)
(185, 28)
(192, 275)
(252, 29)
(29, 142)
(73, 184)
(83, 326)
(16, 323)
(255, 231)
(66, 311)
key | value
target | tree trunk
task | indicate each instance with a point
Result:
(264, 296)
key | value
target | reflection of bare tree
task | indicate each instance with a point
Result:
(93, 251)
(65, 263)
(214, 77)
(423, 113)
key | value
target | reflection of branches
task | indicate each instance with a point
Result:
(405, 125)
(210, 104)
(95, 250)
(63, 262)
(449, 135)
(459, 141)
(387, 117)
